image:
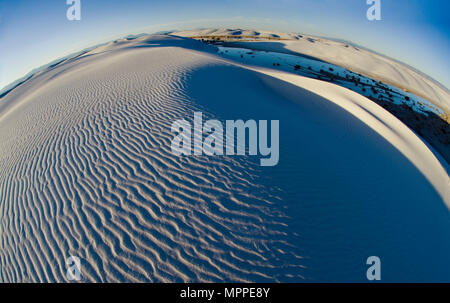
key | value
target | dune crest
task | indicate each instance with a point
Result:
(86, 170)
(343, 54)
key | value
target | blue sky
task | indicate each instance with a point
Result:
(33, 33)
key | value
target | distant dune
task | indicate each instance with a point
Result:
(86, 170)
(340, 53)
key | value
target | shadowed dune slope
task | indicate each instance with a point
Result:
(86, 170)
(340, 53)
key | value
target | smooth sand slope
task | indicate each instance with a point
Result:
(86, 170)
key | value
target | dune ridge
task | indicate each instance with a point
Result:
(343, 54)
(83, 184)
(86, 170)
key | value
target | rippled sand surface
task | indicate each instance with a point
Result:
(86, 170)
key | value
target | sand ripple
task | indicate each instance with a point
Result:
(86, 170)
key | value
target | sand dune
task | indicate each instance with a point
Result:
(86, 170)
(342, 54)
(237, 32)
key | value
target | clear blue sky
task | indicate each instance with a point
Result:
(33, 33)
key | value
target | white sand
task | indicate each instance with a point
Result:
(86, 170)
(342, 54)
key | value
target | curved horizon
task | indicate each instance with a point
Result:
(410, 31)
